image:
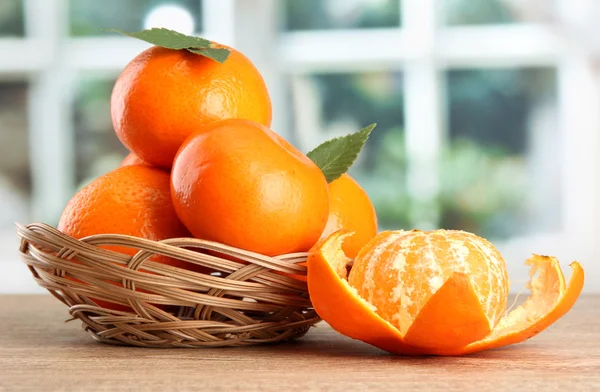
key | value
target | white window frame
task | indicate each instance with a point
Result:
(50, 61)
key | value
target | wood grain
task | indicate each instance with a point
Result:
(38, 351)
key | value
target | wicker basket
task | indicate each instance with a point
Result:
(234, 303)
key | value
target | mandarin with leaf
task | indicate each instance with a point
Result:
(166, 93)
(350, 208)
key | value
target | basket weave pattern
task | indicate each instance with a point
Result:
(251, 300)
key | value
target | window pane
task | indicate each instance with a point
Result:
(477, 12)
(15, 178)
(11, 18)
(91, 17)
(98, 150)
(329, 105)
(339, 14)
(498, 177)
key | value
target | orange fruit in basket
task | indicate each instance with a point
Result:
(132, 159)
(239, 183)
(164, 95)
(131, 200)
(351, 210)
(439, 292)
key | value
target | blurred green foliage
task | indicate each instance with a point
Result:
(473, 12)
(385, 180)
(492, 106)
(98, 148)
(483, 165)
(340, 14)
(91, 17)
(332, 14)
(483, 189)
(11, 18)
(363, 97)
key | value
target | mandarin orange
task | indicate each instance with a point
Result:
(239, 183)
(439, 292)
(351, 210)
(132, 159)
(162, 96)
(399, 272)
(131, 200)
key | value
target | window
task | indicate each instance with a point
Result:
(487, 110)
(15, 177)
(92, 17)
(502, 125)
(339, 14)
(11, 18)
(98, 148)
(478, 12)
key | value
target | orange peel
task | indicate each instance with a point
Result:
(452, 320)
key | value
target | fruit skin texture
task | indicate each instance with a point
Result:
(438, 323)
(131, 200)
(163, 95)
(351, 210)
(239, 183)
(132, 159)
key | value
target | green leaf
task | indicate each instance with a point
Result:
(335, 156)
(217, 54)
(173, 40)
(168, 38)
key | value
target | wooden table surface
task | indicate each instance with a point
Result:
(38, 351)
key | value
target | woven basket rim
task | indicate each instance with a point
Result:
(225, 296)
